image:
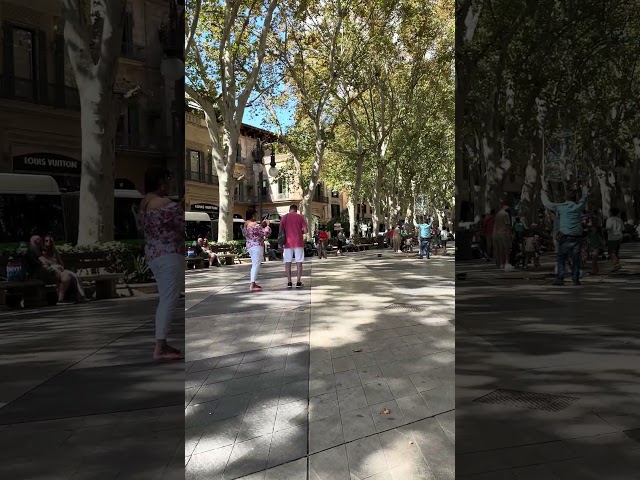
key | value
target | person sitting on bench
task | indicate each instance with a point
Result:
(200, 249)
(46, 264)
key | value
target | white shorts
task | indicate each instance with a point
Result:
(290, 252)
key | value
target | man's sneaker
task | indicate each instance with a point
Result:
(289, 285)
(558, 282)
(577, 282)
(509, 268)
(299, 285)
(420, 258)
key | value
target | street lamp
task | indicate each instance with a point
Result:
(258, 166)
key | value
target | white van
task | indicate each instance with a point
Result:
(127, 224)
(197, 225)
(29, 204)
(34, 204)
(238, 223)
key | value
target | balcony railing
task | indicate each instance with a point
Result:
(131, 51)
(200, 177)
(320, 198)
(26, 90)
(137, 143)
(281, 196)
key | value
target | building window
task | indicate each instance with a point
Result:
(127, 35)
(282, 186)
(335, 211)
(133, 125)
(195, 166)
(239, 153)
(23, 63)
(335, 194)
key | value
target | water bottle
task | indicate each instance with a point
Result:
(14, 270)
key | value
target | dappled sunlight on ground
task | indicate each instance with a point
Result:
(301, 374)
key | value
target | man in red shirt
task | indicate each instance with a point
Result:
(295, 226)
(323, 238)
(488, 231)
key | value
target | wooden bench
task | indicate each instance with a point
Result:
(91, 267)
(224, 256)
(194, 262)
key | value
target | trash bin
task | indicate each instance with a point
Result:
(464, 238)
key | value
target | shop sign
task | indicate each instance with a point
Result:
(46, 163)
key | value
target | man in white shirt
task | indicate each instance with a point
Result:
(615, 229)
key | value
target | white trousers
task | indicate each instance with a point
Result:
(168, 270)
(256, 257)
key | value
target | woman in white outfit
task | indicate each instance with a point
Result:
(163, 223)
(255, 234)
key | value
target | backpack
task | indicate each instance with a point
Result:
(282, 236)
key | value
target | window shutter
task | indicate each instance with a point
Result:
(59, 71)
(41, 72)
(7, 57)
(202, 174)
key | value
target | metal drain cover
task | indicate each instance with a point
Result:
(534, 401)
(404, 306)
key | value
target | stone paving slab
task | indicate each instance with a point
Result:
(307, 379)
(581, 342)
(81, 397)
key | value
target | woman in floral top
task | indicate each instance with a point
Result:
(163, 223)
(255, 234)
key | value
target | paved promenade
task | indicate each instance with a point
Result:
(351, 377)
(547, 377)
(80, 397)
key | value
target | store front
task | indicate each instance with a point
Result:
(65, 170)
(209, 208)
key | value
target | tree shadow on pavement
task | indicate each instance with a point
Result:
(289, 374)
(580, 342)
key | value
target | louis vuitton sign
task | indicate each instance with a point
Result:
(46, 163)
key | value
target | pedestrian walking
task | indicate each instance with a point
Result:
(570, 231)
(163, 225)
(502, 239)
(488, 233)
(323, 239)
(615, 232)
(397, 238)
(255, 233)
(444, 236)
(294, 227)
(424, 231)
(341, 241)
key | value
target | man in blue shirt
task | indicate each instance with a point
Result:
(569, 234)
(424, 231)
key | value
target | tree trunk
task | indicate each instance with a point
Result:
(606, 182)
(305, 211)
(226, 206)
(530, 179)
(354, 228)
(95, 221)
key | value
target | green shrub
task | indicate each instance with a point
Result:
(236, 247)
(122, 257)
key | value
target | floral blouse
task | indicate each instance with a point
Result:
(163, 231)
(255, 235)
